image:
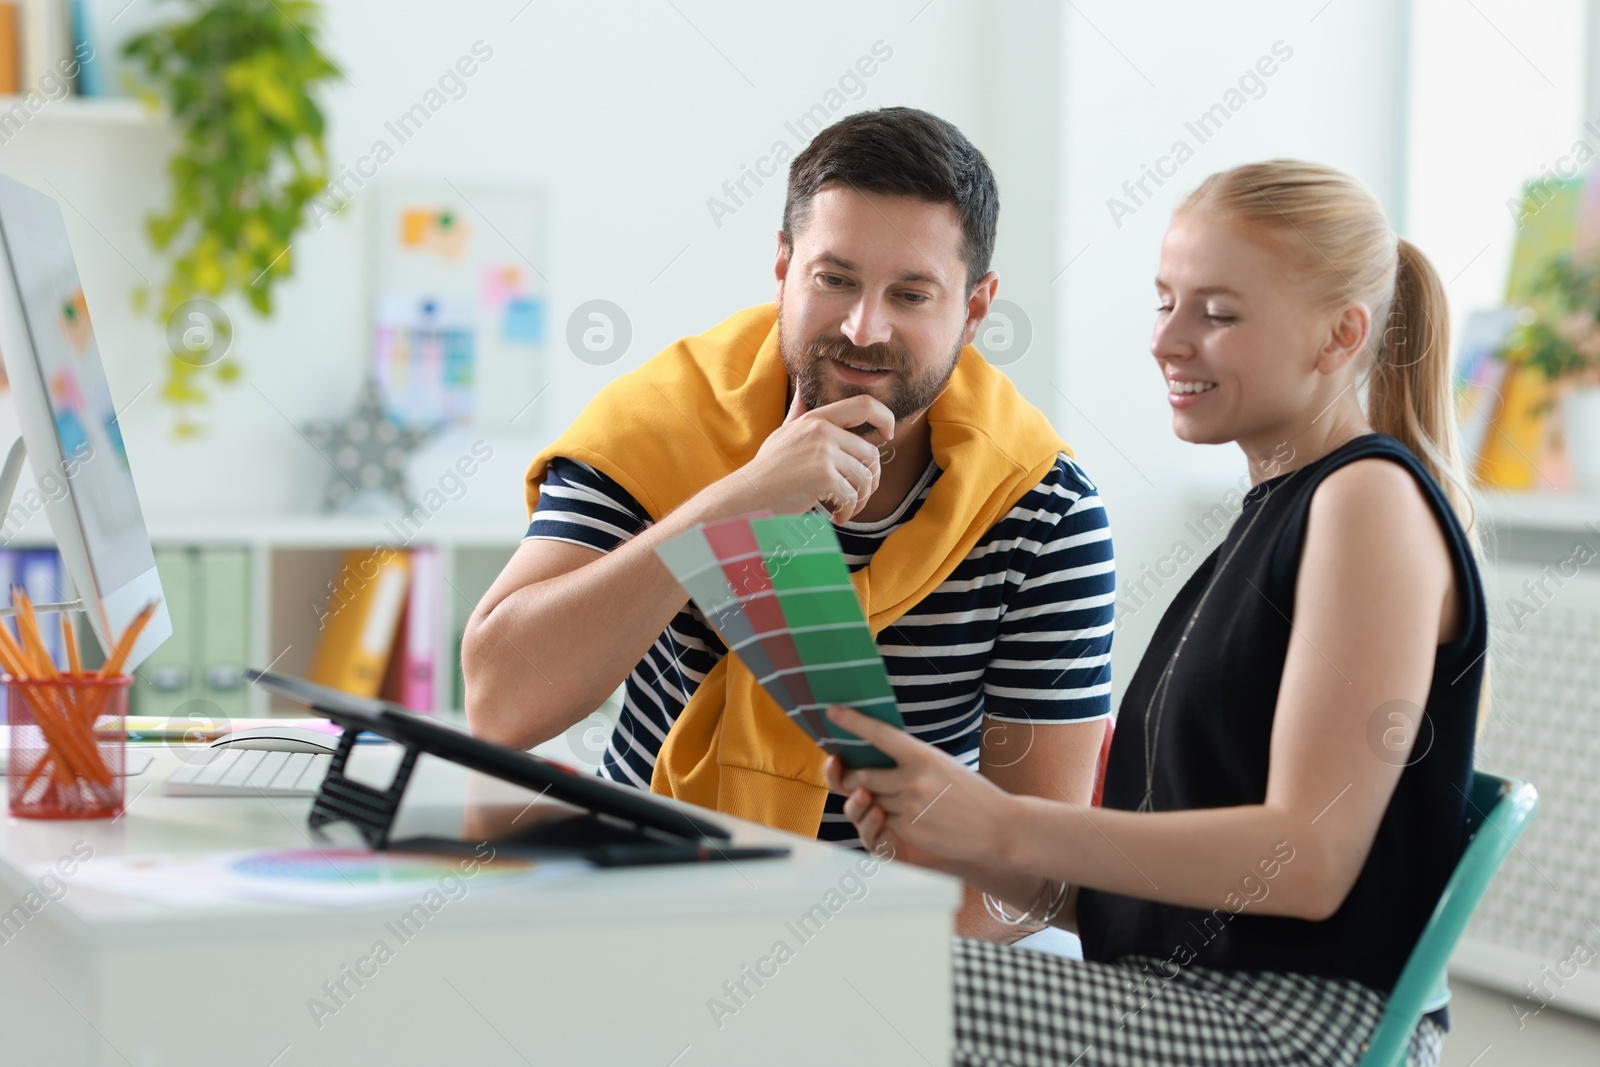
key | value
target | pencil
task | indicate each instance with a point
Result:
(71, 641)
(71, 745)
(66, 715)
(124, 647)
(28, 629)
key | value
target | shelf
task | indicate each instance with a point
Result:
(1540, 511)
(294, 557)
(1560, 511)
(336, 531)
(76, 110)
(308, 531)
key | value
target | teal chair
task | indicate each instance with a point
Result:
(1503, 806)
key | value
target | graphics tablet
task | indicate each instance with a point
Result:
(586, 791)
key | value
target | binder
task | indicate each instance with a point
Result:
(392, 689)
(10, 45)
(168, 679)
(423, 628)
(89, 80)
(359, 619)
(40, 573)
(224, 641)
(413, 664)
(8, 576)
(45, 44)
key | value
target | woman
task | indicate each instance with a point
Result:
(1285, 796)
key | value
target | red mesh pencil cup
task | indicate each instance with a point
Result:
(68, 739)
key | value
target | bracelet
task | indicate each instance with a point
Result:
(1056, 891)
(1057, 902)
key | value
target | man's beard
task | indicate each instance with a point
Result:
(908, 393)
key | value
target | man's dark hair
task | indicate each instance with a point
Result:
(900, 151)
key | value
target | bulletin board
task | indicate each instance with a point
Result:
(459, 331)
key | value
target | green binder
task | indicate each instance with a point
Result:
(224, 637)
(167, 680)
(198, 672)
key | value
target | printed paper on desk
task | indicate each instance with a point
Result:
(333, 877)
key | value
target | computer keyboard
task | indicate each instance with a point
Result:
(250, 773)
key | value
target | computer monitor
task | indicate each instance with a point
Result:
(69, 424)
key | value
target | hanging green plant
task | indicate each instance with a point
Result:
(237, 78)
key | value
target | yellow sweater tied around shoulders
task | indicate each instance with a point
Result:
(699, 411)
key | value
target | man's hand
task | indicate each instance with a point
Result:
(815, 457)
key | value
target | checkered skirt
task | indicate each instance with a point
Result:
(1018, 1008)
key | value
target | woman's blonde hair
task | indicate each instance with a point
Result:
(1342, 246)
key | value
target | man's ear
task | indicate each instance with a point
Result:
(780, 266)
(1347, 336)
(978, 305)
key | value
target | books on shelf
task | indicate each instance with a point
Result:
(379, 629)
(47, 47)
(39, 572)
(45, 580)
(50, 49)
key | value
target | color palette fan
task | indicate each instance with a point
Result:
(777, 589)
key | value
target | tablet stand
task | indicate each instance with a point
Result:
(584, 834)
(370, 811)
(613, 825)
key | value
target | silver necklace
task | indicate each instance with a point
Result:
(1153, 734)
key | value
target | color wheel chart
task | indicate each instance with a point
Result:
(777, 589)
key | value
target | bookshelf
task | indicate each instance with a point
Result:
(84, 111)
(292, 559)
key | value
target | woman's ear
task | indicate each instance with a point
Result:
(1347, 336)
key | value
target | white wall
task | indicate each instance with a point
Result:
(1133, 75)
(1494, 99)
(630, 115)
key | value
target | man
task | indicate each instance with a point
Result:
(979, 549)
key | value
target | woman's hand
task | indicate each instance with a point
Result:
(929, 809)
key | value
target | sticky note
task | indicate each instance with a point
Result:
(523, 320)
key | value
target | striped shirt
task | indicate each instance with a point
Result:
(1020, 630)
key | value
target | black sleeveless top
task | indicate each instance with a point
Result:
(1215, 733)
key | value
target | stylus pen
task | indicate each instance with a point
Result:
(640, 855)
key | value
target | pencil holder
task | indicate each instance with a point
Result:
(68, 739)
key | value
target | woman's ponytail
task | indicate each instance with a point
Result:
(1410, 395)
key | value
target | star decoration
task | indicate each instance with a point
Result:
(368, 450)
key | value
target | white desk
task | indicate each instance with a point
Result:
(609, 967)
